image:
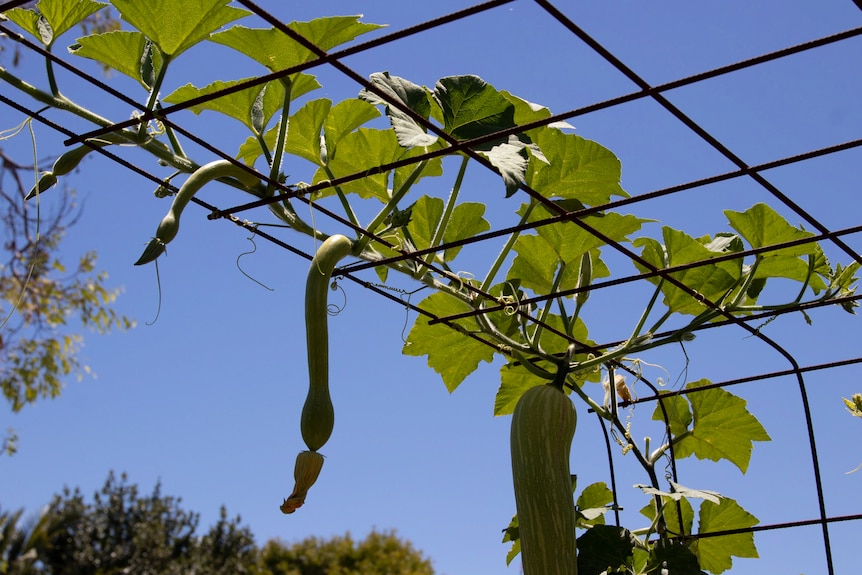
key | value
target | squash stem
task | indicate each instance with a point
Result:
(440, 232)
(504, 253)
(397, 195)
(281, 135)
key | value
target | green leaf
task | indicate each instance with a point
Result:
(364, 149)
(711, 281)
(571, 241)
(605, 549)
(358, 152)
(465, 221)
(526, 112)
(678, 515)
(28, 20)
(515, 380)
(592, 504)
(576, 169)
(471, 107)
(539, 256)
(304, 131)
(168, 22)
(512, 533)
(511, 161)
(450, 353)
(278, 51)
(238, 105)
(714, 553)
(722, 427)
(762, 226)
(678, 413)
(410, 95)
(343, 118)
(57, 17)
(63, 15)
(121, 50)
(680, 491)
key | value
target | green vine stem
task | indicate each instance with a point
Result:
(155, 147)
(390, 206)
(440, 232)
(507, 248)
(153, 98)
(281, 136)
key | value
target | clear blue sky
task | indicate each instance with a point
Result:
(207, 399)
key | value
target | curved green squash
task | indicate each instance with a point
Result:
(318, 417)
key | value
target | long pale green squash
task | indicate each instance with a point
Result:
(318, 416)
(543, 426)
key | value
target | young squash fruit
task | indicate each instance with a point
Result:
(318, 416)
(543, 426)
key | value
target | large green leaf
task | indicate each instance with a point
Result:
(277, 51)
(711, 281)
(465, 221)
(58, 17)
(762, 226)
(471, 107)
(177, 25)
(452, 354)
(410, 133)
(32, 22)
(678, 515)
(304, 130)
(714, 553)
(592, 504)
(722, 428)
(515, 380)
(253, 106)
(364, 149)
(121, 50)
(343, 118)
(576, 169)
(570, 241)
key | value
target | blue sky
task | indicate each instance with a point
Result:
(207, 399)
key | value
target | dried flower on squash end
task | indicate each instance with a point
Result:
(305, 472)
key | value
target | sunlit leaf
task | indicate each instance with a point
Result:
(26, 19)
(465, 221)
(365, 149)
(238, 105)
(722, 428)
(278, 51)
(762, 226)
(515, 380)
(343, 118)
(576, 168)
(678, 515)
(57, 17)
(121, 50)
(709, 281)
(63, 15)
(592, 504)
(681, 492)
(304, 130)
(452, 354)
(168, 22)
(715, 553)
